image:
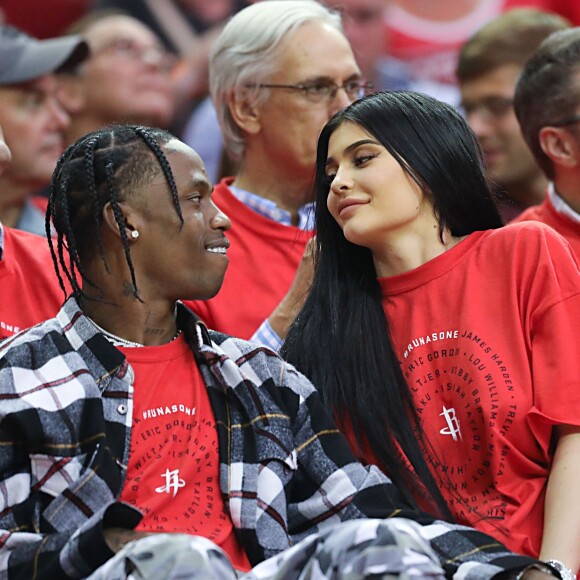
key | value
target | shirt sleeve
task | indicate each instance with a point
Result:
(267, 336)
(554, 323)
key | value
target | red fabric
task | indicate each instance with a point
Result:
(40, 202)
(43, 18)
(173, 471)
(487, 334)
(29, 289)
(263, 257)
(430, 48)
(546, 214)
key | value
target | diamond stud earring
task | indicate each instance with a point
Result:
(134, 234)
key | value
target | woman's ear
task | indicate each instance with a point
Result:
(129, 217)
(244, 112)
(560, 145)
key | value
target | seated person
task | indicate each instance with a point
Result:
(30, 291)
(124, 418)
(33, 120)
(549, 121)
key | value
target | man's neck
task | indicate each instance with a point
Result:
(528, 192)
(144, 320)
(567, 188)
(143, 324)
(13, 197)
(287, 193)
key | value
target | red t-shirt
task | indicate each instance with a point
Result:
(264, 256)
(564, 225)
(29, 289)
(429, 48)
(487, 335)
(173, 471)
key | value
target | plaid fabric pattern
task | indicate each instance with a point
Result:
(285, 471)
(267, 208)
(267, 336)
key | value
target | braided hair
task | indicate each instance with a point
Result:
(105, 166)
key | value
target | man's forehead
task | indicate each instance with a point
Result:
(197, 167)
(113, 28)
(320, 50)
(45, 84)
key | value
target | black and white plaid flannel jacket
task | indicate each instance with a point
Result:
(285, 471)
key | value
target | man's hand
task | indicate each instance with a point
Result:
(116, 538)
(536, 575)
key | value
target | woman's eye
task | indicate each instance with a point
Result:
(362, 159)
(330, 177)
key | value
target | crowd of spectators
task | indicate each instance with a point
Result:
(289, 287)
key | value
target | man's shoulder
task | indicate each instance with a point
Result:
(237, 348)
(30, 341)
(534, 213)
(26, 242)
(261, 363)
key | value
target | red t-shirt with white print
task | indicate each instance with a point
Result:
(173, 471)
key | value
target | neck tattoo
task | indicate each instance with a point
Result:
(118, 341)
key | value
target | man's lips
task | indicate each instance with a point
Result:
(218, 246)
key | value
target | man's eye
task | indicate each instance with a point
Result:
(32, 100)
(317, 89)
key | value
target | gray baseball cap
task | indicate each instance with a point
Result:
(24, 58)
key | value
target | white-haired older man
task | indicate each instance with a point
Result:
(278, 71)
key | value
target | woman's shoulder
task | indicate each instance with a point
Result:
(532, 247)
(527, 232)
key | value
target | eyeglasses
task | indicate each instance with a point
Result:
(130, 49)
(493, 108)
(565, 122)
(320, 91)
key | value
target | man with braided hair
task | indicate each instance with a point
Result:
(135, 443)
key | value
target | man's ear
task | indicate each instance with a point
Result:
(71, 93)
(129, 218)
(560, 145)
(244, 112)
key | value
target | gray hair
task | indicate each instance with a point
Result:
(247, 51)
(547, 91)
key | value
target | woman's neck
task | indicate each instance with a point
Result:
(398, 255)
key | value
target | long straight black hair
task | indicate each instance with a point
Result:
(341, 339)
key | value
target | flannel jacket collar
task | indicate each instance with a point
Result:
(82, 334)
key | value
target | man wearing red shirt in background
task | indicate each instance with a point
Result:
(29, 288)
(547, 104)
(32, 119)
(278, 72)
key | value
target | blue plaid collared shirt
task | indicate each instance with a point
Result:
(269, 209)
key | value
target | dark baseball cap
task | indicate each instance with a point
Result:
(24, 58)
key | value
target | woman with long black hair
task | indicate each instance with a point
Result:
(444, 343)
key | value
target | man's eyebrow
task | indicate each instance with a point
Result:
(330, 80)
(200, 183)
